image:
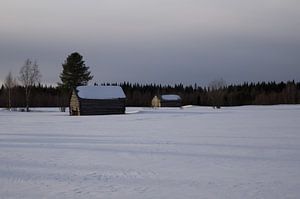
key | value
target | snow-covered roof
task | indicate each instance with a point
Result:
(171, 97)
(100, 92)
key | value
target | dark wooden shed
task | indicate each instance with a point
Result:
(170, 100)
(97, 100)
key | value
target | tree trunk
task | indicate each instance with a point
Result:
(9, 99)
(27, 93)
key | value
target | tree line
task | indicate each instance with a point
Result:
(262, 93)
(30, 92)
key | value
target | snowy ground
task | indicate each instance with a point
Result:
(195, 152)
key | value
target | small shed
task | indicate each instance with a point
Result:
(169, 100)
(97, 100)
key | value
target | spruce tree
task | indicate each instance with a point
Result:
(75, 72)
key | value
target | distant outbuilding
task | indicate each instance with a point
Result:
(170, 100)
(97, 100)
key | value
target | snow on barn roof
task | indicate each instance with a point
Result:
(171, 97)
(100, 92)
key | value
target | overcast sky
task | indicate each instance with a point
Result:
(158, 41)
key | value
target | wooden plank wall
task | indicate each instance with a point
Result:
(173, 103)
(102, 107)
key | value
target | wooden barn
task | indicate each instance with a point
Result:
(97, 100)
(170, 100)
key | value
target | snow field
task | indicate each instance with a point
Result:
(194, 152)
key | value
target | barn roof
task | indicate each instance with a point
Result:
(100, 92)
(170, 97)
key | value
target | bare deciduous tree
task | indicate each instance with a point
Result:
(216, 87)
(10, 83)
(29, 76)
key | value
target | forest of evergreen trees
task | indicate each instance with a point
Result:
(264, 93)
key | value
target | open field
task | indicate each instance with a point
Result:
(194, 152)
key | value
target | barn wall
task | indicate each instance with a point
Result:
(173, 103)
(102, 107)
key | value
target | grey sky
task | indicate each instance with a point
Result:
(159, 41)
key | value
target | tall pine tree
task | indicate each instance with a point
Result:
(75, 72)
